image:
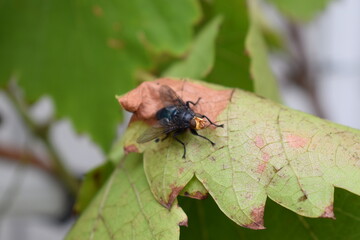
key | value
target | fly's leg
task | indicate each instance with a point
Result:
(188, 102)
(158, 139)
(175, 137)
(194, 132)
(216, 125)
(167, 135)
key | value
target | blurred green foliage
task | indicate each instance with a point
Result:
(231, 61)
(83, 53)
(206, 221)
(200, 60)
(264, 80)
(303, 10)
(92, 182)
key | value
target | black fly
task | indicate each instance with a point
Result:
(175, 118)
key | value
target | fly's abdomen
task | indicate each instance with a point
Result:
(166, 112)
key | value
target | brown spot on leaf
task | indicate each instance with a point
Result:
(131, 148)
(302, 198)
(276, 169)
(97, 11)
(257, 215)
(175, 190)
(181, 170)
(144, 101)
(296, 141)
(329, 212)
(249, 195)
(196, 195)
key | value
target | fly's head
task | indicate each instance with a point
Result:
(197, 123)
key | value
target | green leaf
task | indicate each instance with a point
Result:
(231, 63)
(82, 53)
(201, 57)
(92, 182)
(264, 80)
(206, 220)
(303, 10)
(265, 150)
(194, 189)
(126, 209)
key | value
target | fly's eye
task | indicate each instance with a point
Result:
(193, 123)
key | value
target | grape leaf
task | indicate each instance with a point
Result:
(83, 53)
(303, 10)
(125, 209)
(201, 58)
(264, 80)
(90, 185)
(194, 189)
(231, 66)
(265, 150)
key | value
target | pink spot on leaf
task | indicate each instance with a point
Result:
(262, 166)
(329, 212)
(296, 141)
(259, 141)
(184, 223)
(266, 157)
(257, 215)
(130, 148)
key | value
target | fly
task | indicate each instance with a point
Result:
(175, 118)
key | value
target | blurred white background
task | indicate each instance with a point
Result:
(31, 204)
(331, 43)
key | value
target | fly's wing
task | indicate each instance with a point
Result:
(169, 97)
(159, 129)
(151, 134)
(164, 126)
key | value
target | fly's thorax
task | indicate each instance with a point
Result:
(197, 123)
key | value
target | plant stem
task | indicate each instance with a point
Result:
(42, 132)
(24, 157)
